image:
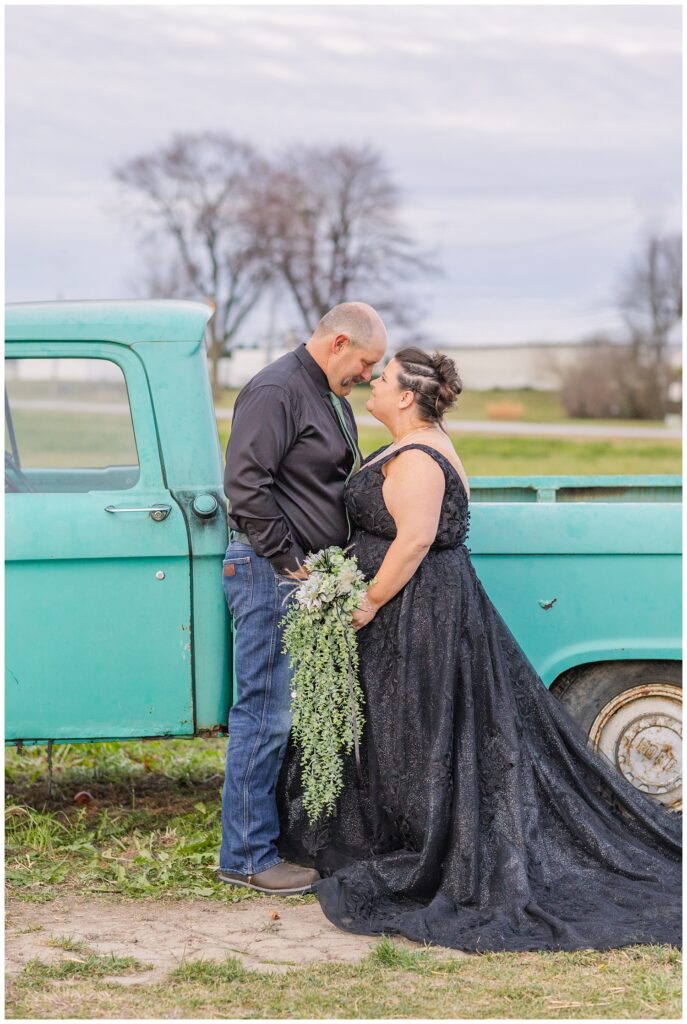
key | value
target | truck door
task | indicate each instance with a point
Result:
(98, 594)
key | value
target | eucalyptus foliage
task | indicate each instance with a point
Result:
(326, 698)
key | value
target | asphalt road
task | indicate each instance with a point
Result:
(529, 429)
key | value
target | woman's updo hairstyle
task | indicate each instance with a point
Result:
(432, 378)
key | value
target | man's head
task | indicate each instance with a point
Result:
(347, 343)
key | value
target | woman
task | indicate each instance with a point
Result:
(480, 820)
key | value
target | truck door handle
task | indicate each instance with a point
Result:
(156, 512)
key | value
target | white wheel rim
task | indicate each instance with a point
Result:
(640, 731)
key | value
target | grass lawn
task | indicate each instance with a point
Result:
(525, 456)
(152, 830)
(535, 406)
(641, 983)
(74, 439)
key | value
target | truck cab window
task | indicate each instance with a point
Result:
(68, 427)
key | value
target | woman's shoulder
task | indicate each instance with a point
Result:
(414, 457)
(374, 454)
(415, 469)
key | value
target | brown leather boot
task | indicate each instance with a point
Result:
(284, 879)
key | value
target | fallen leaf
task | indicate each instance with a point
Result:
(274, 915)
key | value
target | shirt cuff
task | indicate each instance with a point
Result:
(291, 559)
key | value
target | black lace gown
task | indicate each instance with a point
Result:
(480, 820)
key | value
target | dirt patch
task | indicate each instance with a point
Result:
(165, 934)
(153, 793)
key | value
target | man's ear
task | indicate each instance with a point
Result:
(339, 342)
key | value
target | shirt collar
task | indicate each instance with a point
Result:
(317, 374)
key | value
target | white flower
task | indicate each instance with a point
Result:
(347, 577)
(333, 577)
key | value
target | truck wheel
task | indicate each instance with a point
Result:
(632, 712)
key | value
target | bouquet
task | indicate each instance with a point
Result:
(326, 698)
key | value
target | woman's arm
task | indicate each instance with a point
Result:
(413, 492)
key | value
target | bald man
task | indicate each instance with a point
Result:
(292, 448)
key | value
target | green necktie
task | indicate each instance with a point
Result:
(357, 459)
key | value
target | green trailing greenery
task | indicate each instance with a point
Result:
(326, 698)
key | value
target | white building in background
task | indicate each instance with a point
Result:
(529, 365)
(244, 364)
(533, 365)
(64, 369)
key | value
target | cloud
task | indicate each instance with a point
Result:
(410, 46)
(190, 35)
(282, 72)
(346, 45)
(532, 145)
(275, 42)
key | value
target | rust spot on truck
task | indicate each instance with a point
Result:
(213, 732)
(660, 755)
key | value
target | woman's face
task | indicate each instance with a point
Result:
(385, 393)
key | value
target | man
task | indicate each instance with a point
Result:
(293, 446)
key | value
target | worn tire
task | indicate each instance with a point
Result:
(631, 710)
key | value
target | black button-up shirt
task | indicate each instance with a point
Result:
(287, 462)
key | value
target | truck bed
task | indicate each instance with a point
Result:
(654, 489)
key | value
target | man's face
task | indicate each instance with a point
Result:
(352, 364)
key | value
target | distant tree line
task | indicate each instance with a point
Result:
(219, 221)
(633, 380)
(319, 224)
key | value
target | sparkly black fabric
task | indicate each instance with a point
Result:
(481, 820)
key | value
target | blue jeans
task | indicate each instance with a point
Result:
(260, 719)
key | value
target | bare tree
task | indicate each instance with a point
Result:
(158, 276)
(651, 304)
(332, 233)
(606, 380)
(201, 193)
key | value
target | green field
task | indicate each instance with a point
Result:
(73, 439)
(537, 406)
(152, 831)
(525, 456)
(48, 439)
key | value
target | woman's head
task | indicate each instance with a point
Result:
(415, 384)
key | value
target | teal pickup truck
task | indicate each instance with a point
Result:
(116, 624)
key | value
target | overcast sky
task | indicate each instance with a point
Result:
(533, 146)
